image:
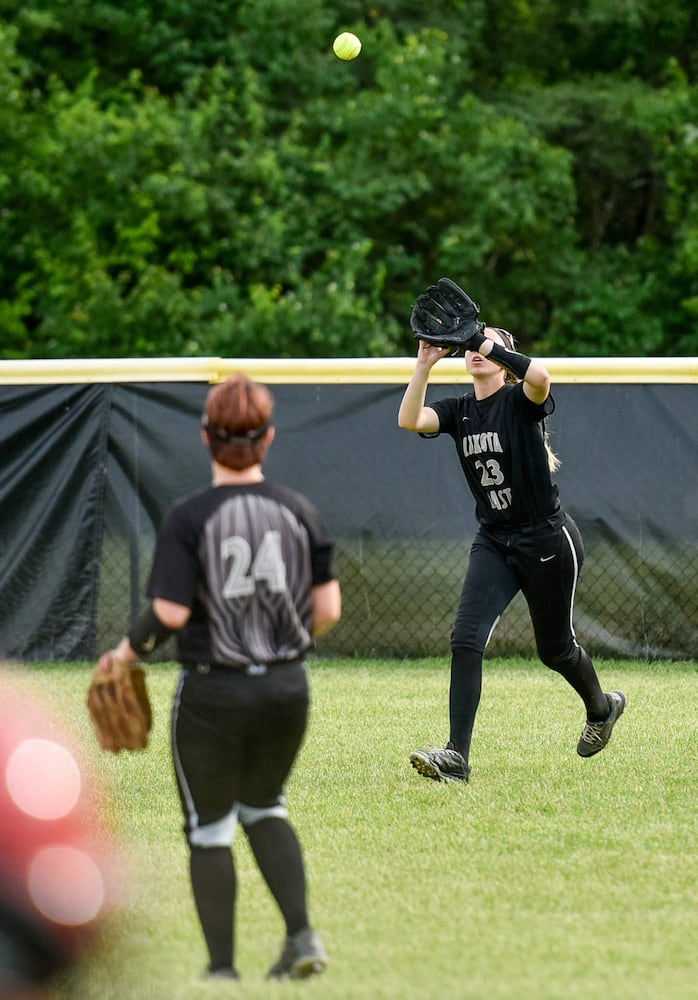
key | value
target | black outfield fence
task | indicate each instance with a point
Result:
(93, 453)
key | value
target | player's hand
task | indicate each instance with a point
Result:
(429, 354)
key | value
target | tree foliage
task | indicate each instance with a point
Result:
(196, 177)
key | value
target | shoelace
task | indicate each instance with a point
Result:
(592, 732)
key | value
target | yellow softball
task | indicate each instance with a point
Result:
(346, 45)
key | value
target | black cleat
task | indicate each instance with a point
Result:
(441, 765)
(303, 956)
(596, 735)
(224, 972)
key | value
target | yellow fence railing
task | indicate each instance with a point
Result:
(328, 370)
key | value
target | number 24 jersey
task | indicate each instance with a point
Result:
(244, 558)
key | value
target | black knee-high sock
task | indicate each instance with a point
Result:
(278, 854)
(580, 673)
(214, 884)
(464, 697)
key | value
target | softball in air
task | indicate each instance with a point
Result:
(346, 46)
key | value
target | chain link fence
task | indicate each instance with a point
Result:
(400, 599)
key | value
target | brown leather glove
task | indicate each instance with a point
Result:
(118, 703)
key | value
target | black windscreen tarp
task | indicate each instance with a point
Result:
(87, 472)
(51, 518)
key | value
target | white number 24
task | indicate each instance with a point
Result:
(245, 572)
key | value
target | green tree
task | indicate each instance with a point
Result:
(190, 177)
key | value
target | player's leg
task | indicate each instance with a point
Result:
(489, 587)
(279, 720)
(551, 577)
(552, 562)
(278, 854)
(276, 727)
(214, 887)
(205, 767)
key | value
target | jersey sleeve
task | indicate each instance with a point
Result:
(447, 411)
(175, 568)
(322, 552)
(533, 411)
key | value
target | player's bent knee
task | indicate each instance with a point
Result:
(473, 636)
(559, 662)
(249, 815)
(220, 833)
(467, 646)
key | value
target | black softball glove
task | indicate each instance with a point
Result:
(446, 316)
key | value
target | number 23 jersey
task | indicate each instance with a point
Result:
(244, 558)
(501, 446)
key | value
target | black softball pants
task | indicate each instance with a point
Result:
(235, 737)
(543, 561)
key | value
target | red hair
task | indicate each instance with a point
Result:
(236, 419)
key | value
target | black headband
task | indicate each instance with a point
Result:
(231, 437)
(507, 336)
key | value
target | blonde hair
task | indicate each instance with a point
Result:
(511, 379)
(554, 462)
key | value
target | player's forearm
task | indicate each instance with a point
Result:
(412, 404)
(154, 625)
(533, 374)
(327, 606)
(513, 361)
(538, 376)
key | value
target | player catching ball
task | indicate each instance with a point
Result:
(525, 541)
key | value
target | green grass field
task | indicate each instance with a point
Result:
(548, 876)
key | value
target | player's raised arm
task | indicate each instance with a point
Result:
(534, 375)
(413, 415)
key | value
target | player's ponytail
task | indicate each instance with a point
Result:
(554, 462)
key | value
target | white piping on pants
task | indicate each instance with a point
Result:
(576, 577)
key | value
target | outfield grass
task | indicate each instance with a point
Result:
(547, 877)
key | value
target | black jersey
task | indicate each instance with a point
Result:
(244, 558)
(501, 447)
